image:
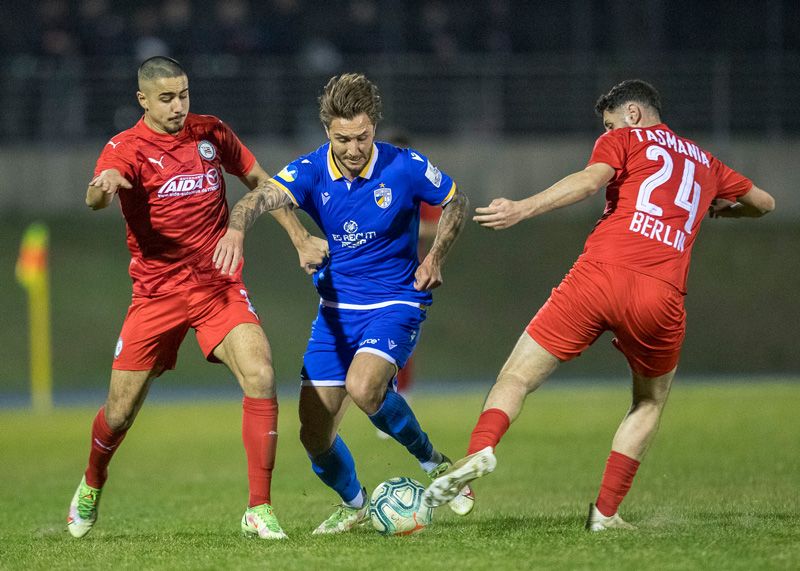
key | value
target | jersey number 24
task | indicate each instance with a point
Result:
(688, 196)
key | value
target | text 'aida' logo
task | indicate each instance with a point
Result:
(186, 184)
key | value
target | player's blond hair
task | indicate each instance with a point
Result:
(347, 96)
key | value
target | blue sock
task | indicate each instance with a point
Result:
(396, 419)
(337, 469)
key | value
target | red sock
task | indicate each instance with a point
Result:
(104, 443)
(492, 425)
(260, 436)
(617, 480)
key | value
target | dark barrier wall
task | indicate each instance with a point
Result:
(743, 301)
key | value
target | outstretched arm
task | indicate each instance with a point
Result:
(753, 204)
(503, 213)
(103, 187)
(429, 272)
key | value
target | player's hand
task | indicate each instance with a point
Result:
(229, 250)
(723, 208)
(312, 252)
(501, 213)
(110, 181)
(428, 275)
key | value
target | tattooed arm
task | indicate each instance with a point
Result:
(429, 272)
(264, 197)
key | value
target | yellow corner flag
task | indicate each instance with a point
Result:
(33, 275)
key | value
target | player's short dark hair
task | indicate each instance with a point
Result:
(629, 90)
(348, 95)
(158, 67)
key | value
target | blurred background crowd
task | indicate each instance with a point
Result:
(443, 28)
(487, 66)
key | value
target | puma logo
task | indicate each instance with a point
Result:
(157, 162)
(113, 144)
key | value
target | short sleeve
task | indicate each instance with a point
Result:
(235, 157)
(730, 184)
(297, 180)
(609, 149)
(116, 155)
(429, 184)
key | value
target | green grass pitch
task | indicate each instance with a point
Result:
(720, 488)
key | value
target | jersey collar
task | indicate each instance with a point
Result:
(366, 172)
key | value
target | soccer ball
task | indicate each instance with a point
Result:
(396, 508)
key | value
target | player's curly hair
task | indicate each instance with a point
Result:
(347, 96)
(629, 90)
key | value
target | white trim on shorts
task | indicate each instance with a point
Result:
(337, 305)
(330, 383)
(312, 383)
(377, 352)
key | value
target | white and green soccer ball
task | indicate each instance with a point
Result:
(396, 507)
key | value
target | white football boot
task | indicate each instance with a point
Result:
(598, 522)
(451, 484)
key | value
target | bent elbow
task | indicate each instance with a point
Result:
(765, 206)
(768, 207)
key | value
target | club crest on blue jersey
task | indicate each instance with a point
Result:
(207, 150)
(383, 196)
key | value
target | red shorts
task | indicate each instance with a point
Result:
(155, 326)
(645, 313)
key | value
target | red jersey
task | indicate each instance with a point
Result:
(662, 188)
(176, 211)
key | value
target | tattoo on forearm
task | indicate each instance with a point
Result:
(265, 197)
(451, 223)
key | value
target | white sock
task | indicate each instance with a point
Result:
(357, 502)
(436, 459)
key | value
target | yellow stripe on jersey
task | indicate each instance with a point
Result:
(333, 170)
(366, 172)
(449, 196)
(284, 189)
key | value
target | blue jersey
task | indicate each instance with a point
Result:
(371, 223)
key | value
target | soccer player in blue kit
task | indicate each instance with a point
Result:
(365, 196)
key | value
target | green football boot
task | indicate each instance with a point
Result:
(83, 509)
(345, 518)
(260, 521)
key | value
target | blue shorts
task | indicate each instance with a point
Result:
(338, 334)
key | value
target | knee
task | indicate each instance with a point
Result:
(650, 408)
(258, 381)
(119, 418)
(366, 397)
(516, 380)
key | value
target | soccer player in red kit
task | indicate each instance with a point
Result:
(167, 171)
(630, 279)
